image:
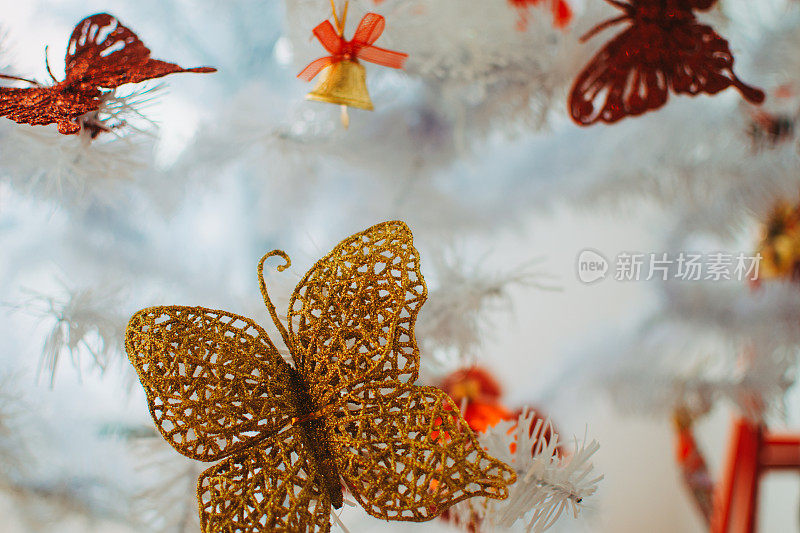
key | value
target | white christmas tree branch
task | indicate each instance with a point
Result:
(548, 481)
(83, 321)
(456, 315)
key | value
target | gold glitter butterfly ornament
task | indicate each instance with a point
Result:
(285, 437)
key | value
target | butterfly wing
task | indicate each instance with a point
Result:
(40, 106)
(411, 456)
(404, 451)
(215, 383)
(701, 5)
(620, 80)
(703, 63)
(104, 53)
(633, 73)
(273, 486)
(351, 318)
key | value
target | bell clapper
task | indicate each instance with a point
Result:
(345, 117)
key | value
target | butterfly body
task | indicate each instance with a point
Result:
(102, 54)
(664, 14)
(312, 427)
(664, 48)
(63, 104)
(286, 437)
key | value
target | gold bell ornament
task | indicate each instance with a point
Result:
(343, 83)
(343, 79)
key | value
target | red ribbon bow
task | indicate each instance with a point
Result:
(360, 46)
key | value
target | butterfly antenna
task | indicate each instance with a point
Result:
(602, 26)
(263, 286)
(47, 65)
(17, 78)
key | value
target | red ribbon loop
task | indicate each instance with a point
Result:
(359, 47)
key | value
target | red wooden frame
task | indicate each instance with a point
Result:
(753, 451)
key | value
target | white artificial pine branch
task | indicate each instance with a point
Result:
(734, 310)
(78, 170)
(457, 312)
(548, 483)
(123, 110)
(84, 321)
(14, 452)
(481, 69)
(713, 170)
(41, 162)
(167, 502)
(699, 372)
(44, 493)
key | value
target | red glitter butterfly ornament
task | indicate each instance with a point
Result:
(102, 54)
(664, 48)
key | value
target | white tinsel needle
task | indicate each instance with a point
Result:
(339, 522)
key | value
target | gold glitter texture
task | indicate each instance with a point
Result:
(780, 243)
(286, 437)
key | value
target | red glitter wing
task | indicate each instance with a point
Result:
(617, 82)
(104, 53)
(702, 67)
(633, 73)
(667, 5)
(40, 106)
(701, 5)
